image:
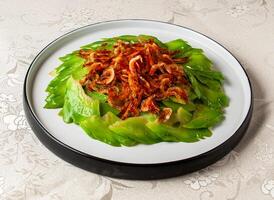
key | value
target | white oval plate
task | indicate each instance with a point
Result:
(236, 86)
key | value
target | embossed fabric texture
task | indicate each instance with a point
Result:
(29, 171)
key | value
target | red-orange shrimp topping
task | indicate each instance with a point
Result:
(136, 77)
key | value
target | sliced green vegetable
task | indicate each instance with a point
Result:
(210, 74)
(72, 66)
(198, 61)
(175, 106)
(104, 106)
(127, 38)
(149, 37)
(210, 92)
(178, 134)
(178, 45)
(97, 95)
(78, 106)
(135, 129)
(215, 99)
(110, 119)
(104, 44)
(212, 84)
(183, 115)
(97, 128)
(204, 117)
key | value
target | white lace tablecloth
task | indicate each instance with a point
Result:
(29, 171)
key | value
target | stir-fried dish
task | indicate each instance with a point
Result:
(130, 90)
(136, 77)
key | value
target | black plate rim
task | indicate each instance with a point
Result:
(41, 131)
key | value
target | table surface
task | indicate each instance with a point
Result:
(29, 171)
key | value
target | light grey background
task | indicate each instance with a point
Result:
(29, 171)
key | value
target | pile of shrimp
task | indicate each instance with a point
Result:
(136, 77)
